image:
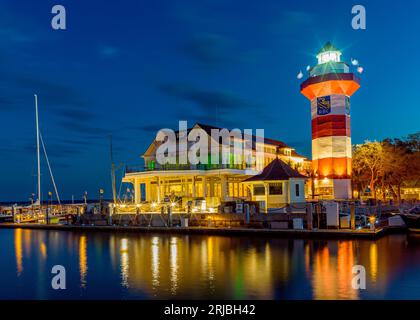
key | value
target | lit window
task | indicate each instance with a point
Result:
(276, 188)
(329, 56)
(259, 190)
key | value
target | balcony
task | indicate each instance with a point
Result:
(172, 167)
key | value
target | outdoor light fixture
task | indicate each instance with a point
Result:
(372, 220)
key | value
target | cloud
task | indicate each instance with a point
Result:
(77, 142)
(75, 114)
(82, 128)
(21, 87)
(53, 94)
(210, 48)
(292, 21)
(153, 128)
(6, 104)
(214, 107)
(224, 102)
(108, 51)
(54, 150)
(13, 36)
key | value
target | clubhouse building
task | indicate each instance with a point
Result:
(208, 187)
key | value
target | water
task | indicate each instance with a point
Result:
(162, 266)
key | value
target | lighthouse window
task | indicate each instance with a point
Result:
(297, 190)
(329, 56)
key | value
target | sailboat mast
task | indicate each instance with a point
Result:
(114, 189)
(38, 149)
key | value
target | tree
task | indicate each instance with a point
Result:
(387, 166)
(368, 161)
(311, 174)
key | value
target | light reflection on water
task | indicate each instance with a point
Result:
(83, 260)
(141, 266)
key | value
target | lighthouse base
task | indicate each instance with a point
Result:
(342, 188)
(333, 189)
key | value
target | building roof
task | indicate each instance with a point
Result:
(276, 170)
(208, 128)
(328, 47)
(277, 143)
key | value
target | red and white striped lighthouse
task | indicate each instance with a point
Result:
(329, 88)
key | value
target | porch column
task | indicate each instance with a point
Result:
(148, 191)
(186, 191)
(204, 187)
(193, 187)
(158, 189)
(137, 191)
(166, 192)
(211, 187)
(267, 189)
(223, 187)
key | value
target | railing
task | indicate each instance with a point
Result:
(169, 167)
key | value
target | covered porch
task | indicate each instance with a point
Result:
(196, 190)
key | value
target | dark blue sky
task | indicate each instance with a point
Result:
(131, 67)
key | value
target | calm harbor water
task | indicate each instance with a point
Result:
(161, 266)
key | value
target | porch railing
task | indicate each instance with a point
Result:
(169, 167)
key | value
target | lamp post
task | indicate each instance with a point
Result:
(372, 220)
(32, 198)
(85, 194)
(47, 217)
(101, 196)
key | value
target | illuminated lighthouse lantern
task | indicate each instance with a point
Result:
(329, 88)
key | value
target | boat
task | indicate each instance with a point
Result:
(6, 218)
(412, 219)
(36, 211)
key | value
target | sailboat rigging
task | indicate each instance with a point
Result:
(39, 143)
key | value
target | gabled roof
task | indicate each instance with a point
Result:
(267, 141)
(277, 170)
(208, 128)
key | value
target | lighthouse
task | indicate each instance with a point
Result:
(329, 87)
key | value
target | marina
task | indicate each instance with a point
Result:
(261, 190)
(205, 157)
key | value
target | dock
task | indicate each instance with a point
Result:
(219, 231)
